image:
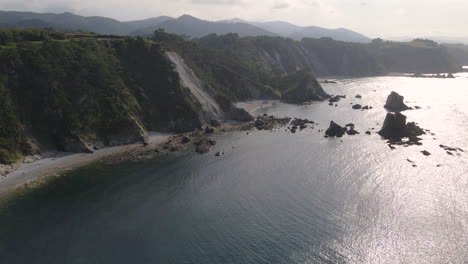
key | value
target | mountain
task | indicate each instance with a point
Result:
(72, 22)
(279, 27)
(341, 34)
(289, 30)
(185, 25)
(191, 26)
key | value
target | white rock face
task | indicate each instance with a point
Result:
(211, 109)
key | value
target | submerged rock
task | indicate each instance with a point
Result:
(395, 103)
(335, 130)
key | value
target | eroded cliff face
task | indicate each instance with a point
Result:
(211, 111)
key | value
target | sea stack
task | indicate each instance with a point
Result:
(396, 128)
(335, 130)
(395, 103)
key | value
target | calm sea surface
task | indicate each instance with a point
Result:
(274, 197)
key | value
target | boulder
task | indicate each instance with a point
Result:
(209, 130)
(204, 145)
(357, 106)
(335, 130)
(185, 139)
(395, 103)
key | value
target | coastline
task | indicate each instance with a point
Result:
(31, 173)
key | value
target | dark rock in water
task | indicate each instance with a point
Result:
(349, 125)
(358, 96)
(336, 98)
(209, 130)
(414, 130)
(218, 154)
(417, 107)
(426, 153)
(366, 107)
(391, 147)
(450, 153)
(330, 104)
(396, 128)
(368, 133)
(352, 132)
(267, 122)
(395, 103)
(357, 106)
(174, 149)
(238, 114)
(335, 130)
(204, 145)
(185, 140)
(300, 123)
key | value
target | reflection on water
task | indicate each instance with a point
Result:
(273, 197)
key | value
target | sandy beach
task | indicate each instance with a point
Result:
(251, 106)
(63, 161)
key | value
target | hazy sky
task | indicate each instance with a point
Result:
(375, 18)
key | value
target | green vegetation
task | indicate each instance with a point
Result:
(72, 91)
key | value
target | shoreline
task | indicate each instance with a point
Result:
(32, 173)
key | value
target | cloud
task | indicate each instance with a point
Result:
(281, 5)
(217, 2)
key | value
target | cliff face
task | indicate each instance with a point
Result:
(210, 108)
(328, 57)
(79, 95)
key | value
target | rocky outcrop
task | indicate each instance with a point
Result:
(396, 128)
(238, 114)
(302, 87)
(395, 103)
(335, 130)
(267, 122)
(204, 145)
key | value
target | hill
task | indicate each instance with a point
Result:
(191, 26)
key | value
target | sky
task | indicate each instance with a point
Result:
(375, 18)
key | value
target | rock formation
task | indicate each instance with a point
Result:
(335, 130)
(396, 128)
(395, 103)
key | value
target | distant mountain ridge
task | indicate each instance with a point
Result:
(287, 29)
(184, 25)
(191, 26)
